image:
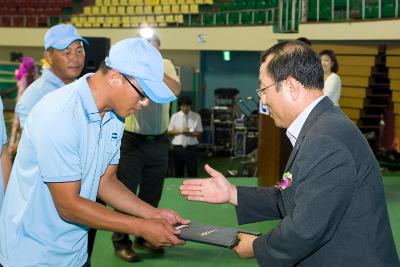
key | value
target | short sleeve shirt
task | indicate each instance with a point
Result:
(64, 140)
(3, 140)
(180, 120)
(45, 84)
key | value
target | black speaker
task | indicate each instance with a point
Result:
(96, 52)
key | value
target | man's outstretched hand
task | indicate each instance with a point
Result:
(215, 189)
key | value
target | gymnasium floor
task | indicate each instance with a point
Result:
(194, 254)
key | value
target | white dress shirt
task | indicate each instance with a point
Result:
(179, 121)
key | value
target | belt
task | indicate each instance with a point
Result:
(145, 137)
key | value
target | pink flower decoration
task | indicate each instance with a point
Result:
(286, 181)
(27, 68)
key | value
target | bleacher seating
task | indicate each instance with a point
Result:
(393, 64)
(365, 90)
(32, 13)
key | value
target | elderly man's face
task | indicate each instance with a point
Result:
(278, 102)
(67, 64)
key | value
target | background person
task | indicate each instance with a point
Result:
(144, 157)
(68, 155)
(331, 200)
(65, 55)
(185, 127)
(332, 82)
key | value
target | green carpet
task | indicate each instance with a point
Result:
(194, 254)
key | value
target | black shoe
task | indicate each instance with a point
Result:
(127, 254)
(141, 243)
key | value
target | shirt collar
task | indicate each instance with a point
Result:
(294, 129)
(52, 78)
(88, 103)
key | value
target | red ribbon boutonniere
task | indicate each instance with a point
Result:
(286, 181)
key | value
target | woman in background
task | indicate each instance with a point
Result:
(332, 83)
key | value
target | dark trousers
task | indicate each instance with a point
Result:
(185, 156)
(142, 168)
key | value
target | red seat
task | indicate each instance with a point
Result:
(32, 21)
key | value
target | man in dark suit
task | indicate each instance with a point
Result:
(331, 199)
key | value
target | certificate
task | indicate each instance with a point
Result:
(211, 234)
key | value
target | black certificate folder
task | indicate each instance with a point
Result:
(212, 235)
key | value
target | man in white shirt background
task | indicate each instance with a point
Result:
(185, 127)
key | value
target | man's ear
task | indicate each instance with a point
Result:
(114, 78)
(47, 57)
(293, 87)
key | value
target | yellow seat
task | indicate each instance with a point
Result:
(194, 9)
(100, 20)
(112, 10)
(104, 10)
(199, 2)
(115, 2)
(169, 19)
(131, 2)
(185, 9)
(175, 9)
(164, 2)
(172, 2)
(148, 9)
(135, 22)
(155, 2)
(130, 10)
(150, 19)
(74, 20)
(116, 22)
(95, 10)
(139, 10)
(189, 2)
(162, 24)
(140, 2)
(209, 2)
(107, 2)
(98, 2)
(166, 9)
(121, 10)
(181, 2)
(87, 10)
(147, 2)
(160, 19)
(91, 19)
(126, 22)
(123, 2)
(157, 9)
(179, 19)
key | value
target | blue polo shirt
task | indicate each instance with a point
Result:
(3, 140)
(64, 140)
(45, 84)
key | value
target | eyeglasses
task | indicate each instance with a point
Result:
(261, 91)
(142, 95)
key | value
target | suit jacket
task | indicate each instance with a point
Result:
(334, 213)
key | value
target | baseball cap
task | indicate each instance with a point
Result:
(137, 58)
(61, 36)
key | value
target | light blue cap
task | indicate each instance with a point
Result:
(137, 58)
(61, 36)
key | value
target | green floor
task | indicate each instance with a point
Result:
(193, 254)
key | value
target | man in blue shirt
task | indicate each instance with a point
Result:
(68, 156)
(66, 56)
